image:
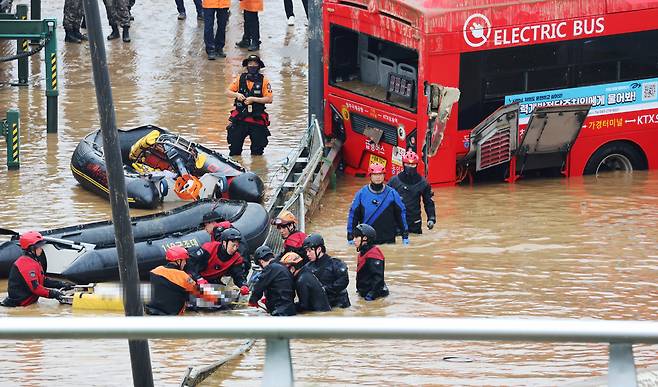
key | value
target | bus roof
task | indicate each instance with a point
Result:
(434, 16)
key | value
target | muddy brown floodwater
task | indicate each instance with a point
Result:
(578, 248)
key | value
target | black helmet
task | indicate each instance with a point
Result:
(313, 241)
(262, 252)
(253, 58)
(230, 234)
(212, 216)
(365, 230)
(217, 233)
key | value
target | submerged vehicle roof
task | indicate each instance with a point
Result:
(436, 16)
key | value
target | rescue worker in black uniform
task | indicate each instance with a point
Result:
(27, 279)
(332, 272)
(252, 91)
(218, 258)
(310, 293)
(171, 286)
(370, 264)
(412, 186)
(276, 283)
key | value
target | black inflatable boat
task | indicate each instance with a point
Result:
(92, 254)
(212, 174)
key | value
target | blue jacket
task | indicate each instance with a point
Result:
(384, 211)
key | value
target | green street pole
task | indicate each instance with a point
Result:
(13, 135)
(52, 90)
(35, 14)
(22, 46)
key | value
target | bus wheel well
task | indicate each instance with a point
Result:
(616, 156)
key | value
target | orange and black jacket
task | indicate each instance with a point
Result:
(170, 289)
(27, 282)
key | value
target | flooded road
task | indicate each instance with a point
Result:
(578, 248)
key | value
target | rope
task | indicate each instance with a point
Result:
(23, 54)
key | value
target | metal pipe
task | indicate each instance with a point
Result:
(128, 272)
(278, 364)
(22, 46)
(315, 63)
(504, 329)
(35, 14)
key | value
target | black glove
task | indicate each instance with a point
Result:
(68, 286)
(56, 294)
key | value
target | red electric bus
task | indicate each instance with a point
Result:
(493, 87)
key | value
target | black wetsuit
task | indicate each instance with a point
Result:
(370, 273)
(332, 273)
(310, 292)
(277, 284)
(411, 187)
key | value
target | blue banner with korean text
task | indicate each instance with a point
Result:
(607, 98)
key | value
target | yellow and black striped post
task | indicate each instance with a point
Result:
(23, 45)
(13, 137)
(52, 91)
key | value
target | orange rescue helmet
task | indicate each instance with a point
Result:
(284, 218)
(291, 258)
(176, 253)
(31, 239)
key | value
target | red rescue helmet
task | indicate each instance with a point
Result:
(376, 168)
(31, 239)
(177, 253)
(410, 157)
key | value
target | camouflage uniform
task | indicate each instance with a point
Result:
(73, 14)
(118, 12)
(5, 6)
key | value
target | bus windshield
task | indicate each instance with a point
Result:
(372, 67)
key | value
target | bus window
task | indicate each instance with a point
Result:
(487, 76)
(363, 64)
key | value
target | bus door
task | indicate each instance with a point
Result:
(544, 143)
(549, 136)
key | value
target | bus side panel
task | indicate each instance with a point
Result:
(637, 127)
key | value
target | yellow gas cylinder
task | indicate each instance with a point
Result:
(94, 301)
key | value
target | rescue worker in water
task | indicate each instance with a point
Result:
(251, 91)
(412, 186)
(171, 286)
(214, 224)
(275, 282)
(380, 206)
(293, 239)
(332, 272)
(27, 279)
(310, 293)
(218, 258)
(370, 264)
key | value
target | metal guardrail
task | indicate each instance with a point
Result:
(293, 199)
(620, 335)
